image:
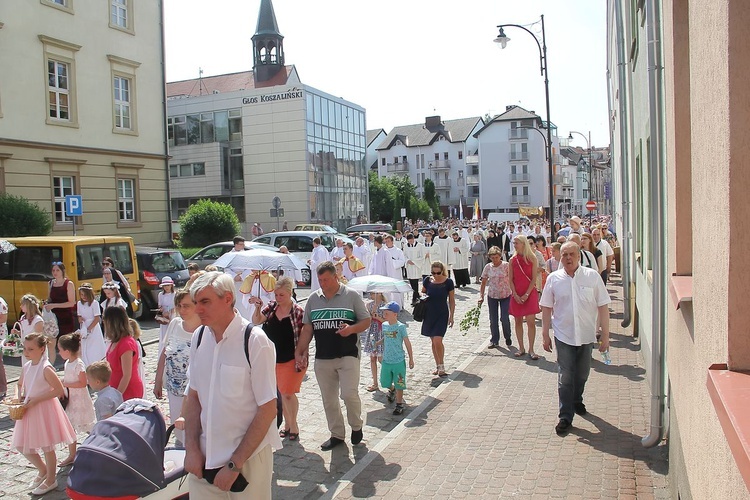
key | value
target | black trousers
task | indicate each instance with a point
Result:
(415, 287)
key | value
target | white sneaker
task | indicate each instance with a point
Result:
(43, 488)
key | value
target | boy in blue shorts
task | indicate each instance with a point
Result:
(393, 368)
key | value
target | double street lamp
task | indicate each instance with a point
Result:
(590, 183)
(503, 40)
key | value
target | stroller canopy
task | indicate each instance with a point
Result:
(123, 455)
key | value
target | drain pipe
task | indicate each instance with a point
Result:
(624, 99)
(656, 174)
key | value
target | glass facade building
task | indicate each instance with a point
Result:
(336, 147)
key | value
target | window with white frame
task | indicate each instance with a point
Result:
(122, 102)
(62, 186)
(119, 13)
(126, 200)
(58, 84)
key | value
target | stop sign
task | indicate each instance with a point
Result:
(591, 205)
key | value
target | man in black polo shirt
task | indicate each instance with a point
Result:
(336, 315)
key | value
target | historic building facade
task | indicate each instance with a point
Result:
(82, 113)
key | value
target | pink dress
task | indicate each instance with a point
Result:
(45, 425)
(522, 270)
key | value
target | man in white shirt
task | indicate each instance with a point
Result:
(414, 254)
(318, 256)
(338, 251)
(606, 249)
(395, 266)
(574, 302)
(362, 251)
(230, 408)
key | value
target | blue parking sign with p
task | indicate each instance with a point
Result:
(74, 205)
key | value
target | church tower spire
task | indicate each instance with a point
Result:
(268, 44)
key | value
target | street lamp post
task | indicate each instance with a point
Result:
(591, 184)
(503, 40)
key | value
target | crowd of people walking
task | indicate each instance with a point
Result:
(224, 371)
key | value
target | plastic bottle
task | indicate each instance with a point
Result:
(605, 358)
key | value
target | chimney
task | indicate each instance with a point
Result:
(508, 108)
(532, 112)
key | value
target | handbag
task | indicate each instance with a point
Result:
(50, 324)
(65, 399)
(420, 309)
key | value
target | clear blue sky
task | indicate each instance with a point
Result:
(407, 59)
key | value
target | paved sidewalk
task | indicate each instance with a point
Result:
(487, 432)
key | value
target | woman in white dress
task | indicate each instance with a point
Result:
(165, 303)
(90, 318)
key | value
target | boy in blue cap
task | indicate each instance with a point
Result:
(393, 369)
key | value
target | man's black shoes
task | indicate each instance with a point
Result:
(562, 427)
(357, 436)
(331, 443)
(580, 409)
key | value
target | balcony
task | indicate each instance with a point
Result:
(519, 177)
(442, 184)
(398, 168)
(520, 199)
(518, 133)
(472, 180)
(472, 160)
(440, 165)
(519, 156)
(563, 180)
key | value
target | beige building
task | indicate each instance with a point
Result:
(82, 107)
(679, 109)
(246, 138)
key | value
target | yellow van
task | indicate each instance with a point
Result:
(28, 269)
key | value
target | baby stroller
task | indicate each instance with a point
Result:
(124, 457)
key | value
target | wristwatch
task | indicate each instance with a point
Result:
(233, 466)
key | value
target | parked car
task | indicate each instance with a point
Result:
(314, 227)
(300, 243)
(208, 255)
(153, 265)
(358, 228)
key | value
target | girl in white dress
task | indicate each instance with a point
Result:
(31, 320)
(90, 318)
(166, 305)
(80, 409)
(112, 292)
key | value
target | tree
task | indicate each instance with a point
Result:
(22, 217)
(431, 198)
(207, 222)
(382, 197)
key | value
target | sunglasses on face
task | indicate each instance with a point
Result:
(435, 273)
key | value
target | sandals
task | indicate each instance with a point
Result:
(518, 354)
(391, 395)
(287, 433)
(399, 409)
(65, 463)
(372, 388)
(534, 356)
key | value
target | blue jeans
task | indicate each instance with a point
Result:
(573, 366)
(505, 318)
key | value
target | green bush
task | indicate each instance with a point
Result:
(22, 217)
(207, 222)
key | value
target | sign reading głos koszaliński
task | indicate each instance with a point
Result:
(293, 93)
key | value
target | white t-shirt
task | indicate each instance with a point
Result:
(605, 248)
(575, 302)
